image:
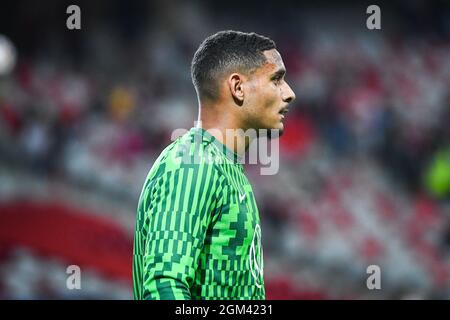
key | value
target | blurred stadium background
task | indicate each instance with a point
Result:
(365, 161)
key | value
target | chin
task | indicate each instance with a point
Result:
(279, 130)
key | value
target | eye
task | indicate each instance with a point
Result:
(277, 79)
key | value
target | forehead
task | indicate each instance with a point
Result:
(274, 61)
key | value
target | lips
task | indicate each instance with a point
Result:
(283, 111)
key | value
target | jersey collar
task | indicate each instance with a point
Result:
(231, 155)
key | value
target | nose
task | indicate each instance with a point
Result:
(287, 94)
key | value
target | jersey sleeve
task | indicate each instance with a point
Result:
(179, 208)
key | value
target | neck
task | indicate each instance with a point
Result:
(224, 127)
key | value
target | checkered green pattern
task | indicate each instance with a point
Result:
(198, 232)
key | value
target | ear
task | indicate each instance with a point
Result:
(235, 84)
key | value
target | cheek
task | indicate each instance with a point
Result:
(262, 101)
(270, 98)
(264, 94)
(256, 98)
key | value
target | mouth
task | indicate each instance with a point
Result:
(283, 112)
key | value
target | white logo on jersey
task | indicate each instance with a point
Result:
(255, 258)
(242, 197)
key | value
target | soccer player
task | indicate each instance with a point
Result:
(198, 233)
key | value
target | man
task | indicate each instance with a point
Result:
(198, 233)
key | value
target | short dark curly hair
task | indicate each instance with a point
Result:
(226, 51)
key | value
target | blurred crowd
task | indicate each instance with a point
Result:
(365, 160)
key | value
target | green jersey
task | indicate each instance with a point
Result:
(198, 233)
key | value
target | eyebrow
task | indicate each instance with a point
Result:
(279, 73)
